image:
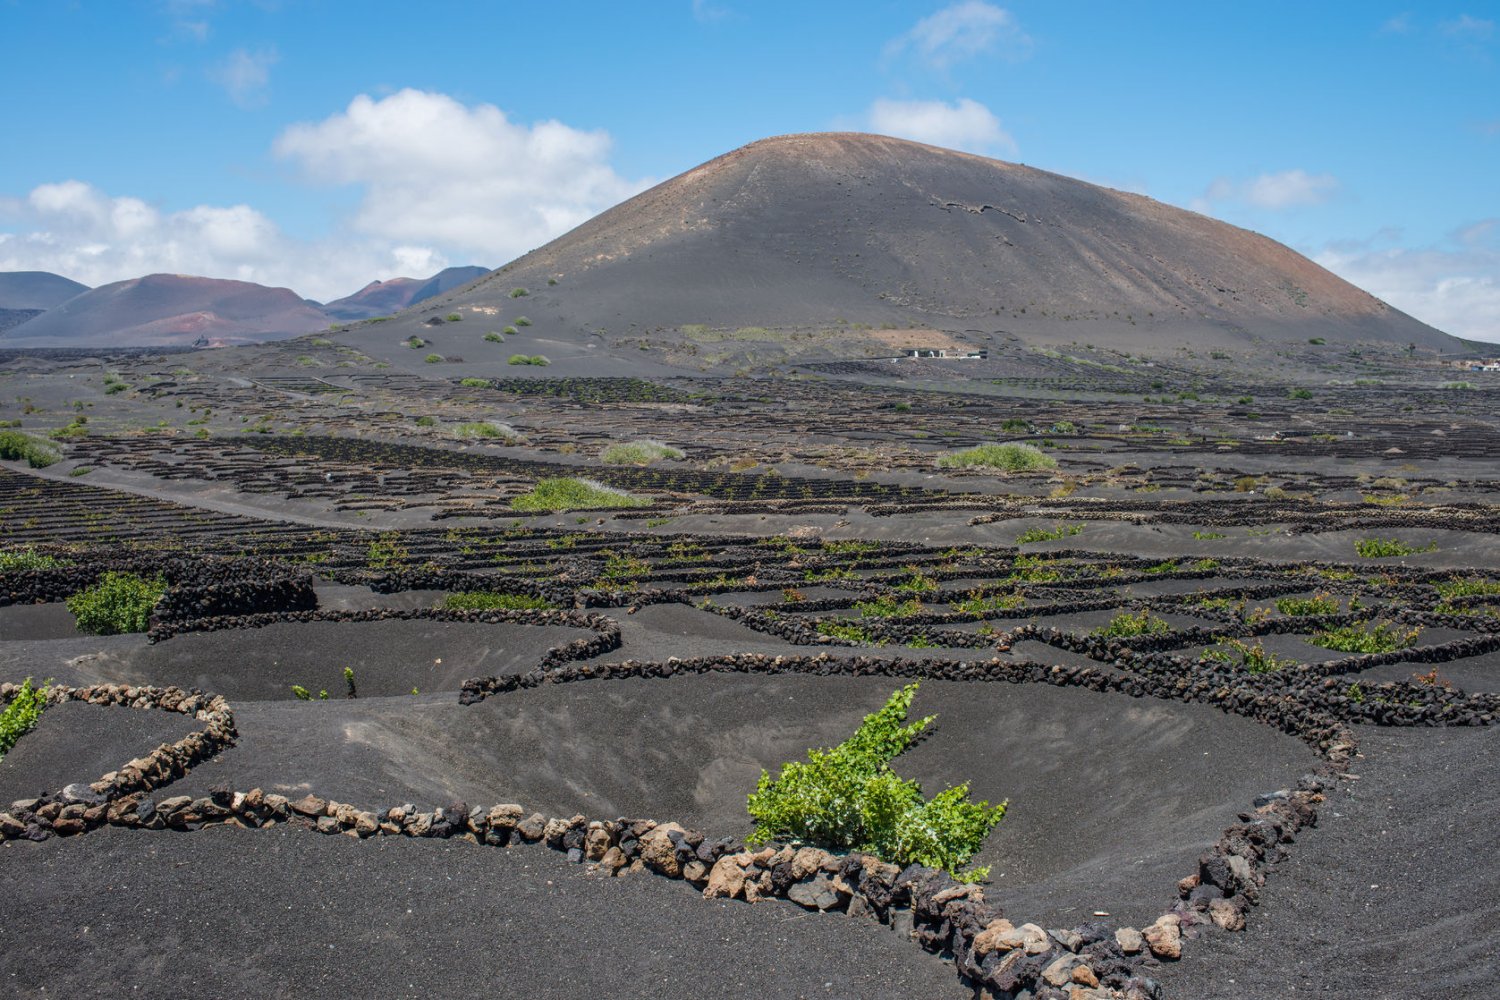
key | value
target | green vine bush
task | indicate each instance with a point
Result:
(848, 798)
(118, 604)
(21, 715)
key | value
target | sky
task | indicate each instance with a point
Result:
(321, 145)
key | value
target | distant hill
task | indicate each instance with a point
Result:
(170, 310)
(866, 233)
(382, 298)
(36, 289)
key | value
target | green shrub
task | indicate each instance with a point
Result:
(474, 383)
(486, 600)
(1253, 657)
(517, 293)
(118, 604)
(1320, 603)
(1045, 535)
(494, 338)
(1125, 625)
(568, 493)
(642, 452)
(22, 559)
(527, 359)
(1300, 394)
(16, 446)
(886, 606)
(489, 429)
(849, 798)
(433, 359)
(21, 715)
(454, 318)
(1386, 548)
(1362, 637)
(415, 343)
(1011, 457)
(978, 604)
(522, 321)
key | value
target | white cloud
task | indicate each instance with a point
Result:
(1287, 189)
(77, 230)
(435, 171)
(245, 75)
(959, 32)
(964, 124)
(705, 11)
(1469, 27)
(1453, 285)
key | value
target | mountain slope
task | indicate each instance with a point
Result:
(381, 298)
(36, 289)
(812, 232)
(170, 309)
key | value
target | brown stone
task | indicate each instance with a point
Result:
(1129, 939)
(995, 937)
(614, 859)
(659, 853)
(505, 816)
(595, 843)
(727, 879)
(1164, 937)
(310, 806)
(807, 861)
(531, 827)
(695, 871)
(1060, 971)
(1084, 976)
(1226, 915)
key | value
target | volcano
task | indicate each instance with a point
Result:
(869, 233)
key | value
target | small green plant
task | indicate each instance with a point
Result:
(415, 343)
(1013, 456)
(474, 383)
(561, 494)
(18, 446)
(522, 321)
(489, 429)
(978, 604)
(1046, 535)
(886, 606)
(350, 691)
(1386, 548)
(1125, 625)
(642, 452)
(1355, 693)
(118, 604)
(24, 559)
(842, 628)
(1252, 656)
(21, 715)
(517, 293)
(1300, 394)
(433, 359)
(453, 318)
(849, 798)
(1207, 536)
(386, 552)
(1321, 603)
(527, 359)
(427, 420)
(494, 337)
(488, 600)
(1364, 637)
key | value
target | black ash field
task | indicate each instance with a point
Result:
(1226, 635)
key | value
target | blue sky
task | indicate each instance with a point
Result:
(320, 145)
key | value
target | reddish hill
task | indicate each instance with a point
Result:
(814, 231)
(382, 298)
(170, 309)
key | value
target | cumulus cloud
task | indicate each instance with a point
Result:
(1453, 285)
(77, 230)
(960, 32)
(1468, 27)
(705, 11)
(964, 124)
(435, 171)
(1287, 189)
(245, 75)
